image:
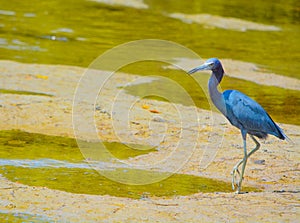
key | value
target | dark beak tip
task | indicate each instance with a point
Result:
(192, 71)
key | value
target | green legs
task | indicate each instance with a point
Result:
(235, 170)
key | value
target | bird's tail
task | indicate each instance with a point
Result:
(282, 135)
(288, 139)
(279, 133)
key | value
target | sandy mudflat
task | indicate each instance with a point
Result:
(277, 177)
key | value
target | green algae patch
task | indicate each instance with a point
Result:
(23, 217)
(69, 172)
(9, 91)
(27, 35)
(16, 144)
(125, 151)
(87, 181)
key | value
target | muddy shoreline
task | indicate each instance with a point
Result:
(278, 176)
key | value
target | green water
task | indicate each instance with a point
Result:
(16, 144)
(85, 29)
(8, 91)
(91, 182)
(36, 150)
(76, 32)
(23, 217)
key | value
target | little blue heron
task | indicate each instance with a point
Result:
(242, 112)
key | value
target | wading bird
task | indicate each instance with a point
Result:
(242, 112)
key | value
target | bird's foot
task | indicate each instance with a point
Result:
(240, 192)
(235, 181)
(237, 191)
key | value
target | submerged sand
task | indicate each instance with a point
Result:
(274, 168)
(209, 21)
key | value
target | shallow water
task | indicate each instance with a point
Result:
(6, 91)
(44, 32)
(56, 162)
(89, 181)
(22, 145)
(20, 217)
(76, 32)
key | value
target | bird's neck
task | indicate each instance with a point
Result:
(215, 95)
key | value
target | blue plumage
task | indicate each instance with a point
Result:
(242, 112)
(245, 113)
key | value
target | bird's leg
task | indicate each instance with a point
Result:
(243, 167)
(236, 171)
(235, 168)
(257, 145)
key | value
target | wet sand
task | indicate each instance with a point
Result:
(277, 176)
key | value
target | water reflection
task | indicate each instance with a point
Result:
(16, 44)
(7, 12)
(29, 15)
(55, 38)
(63, 30)
(52, 163)
(7, 216)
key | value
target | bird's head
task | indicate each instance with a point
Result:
(211, 64)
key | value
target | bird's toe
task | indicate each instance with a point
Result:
(235, 182)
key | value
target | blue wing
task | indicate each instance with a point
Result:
(245, 113)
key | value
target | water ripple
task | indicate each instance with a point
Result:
(52, 163)
(7, 12)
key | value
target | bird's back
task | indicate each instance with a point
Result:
(245, 113)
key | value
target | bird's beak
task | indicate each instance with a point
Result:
(205, 66)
